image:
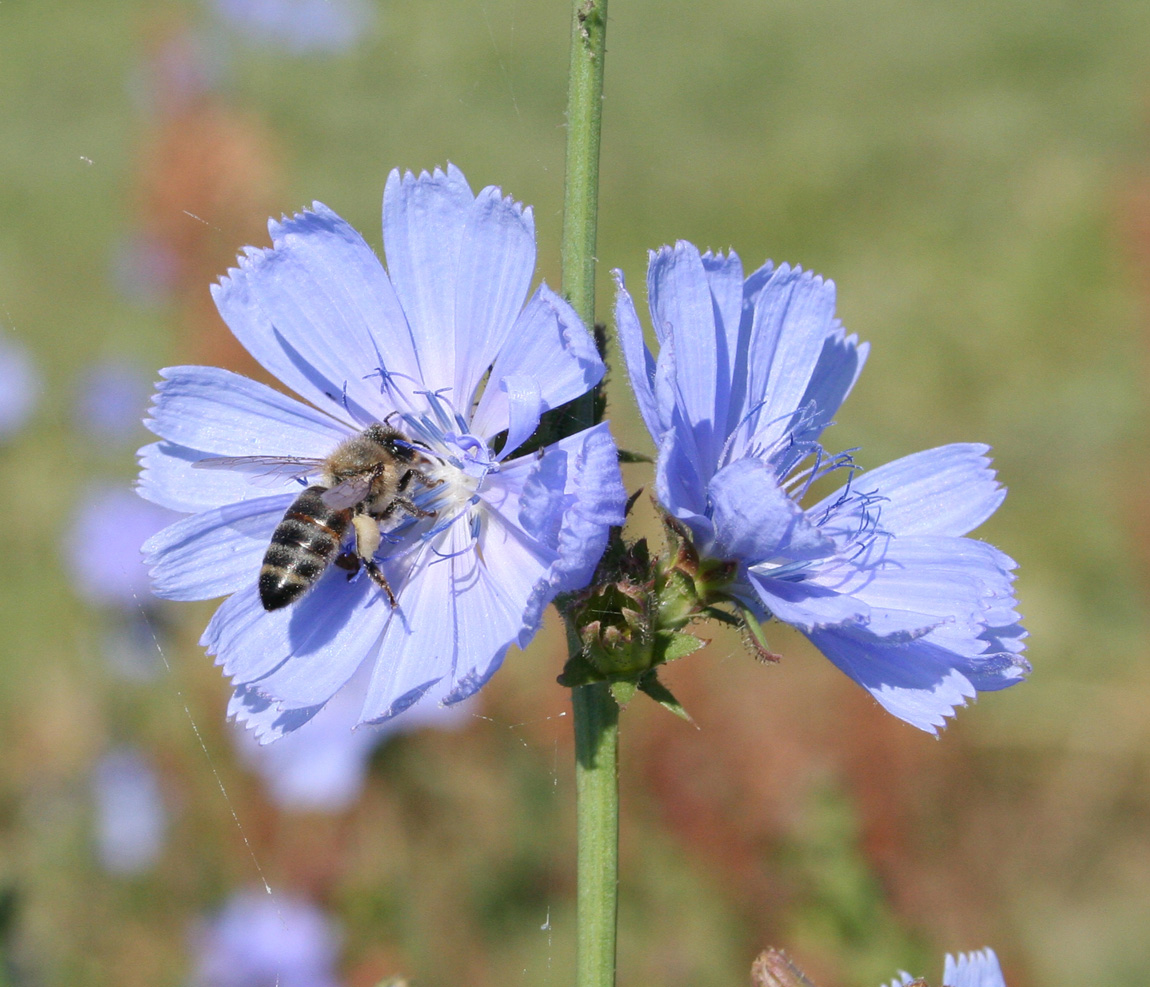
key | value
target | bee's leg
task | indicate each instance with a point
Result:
(380, 580)
(348, 561)
(367, 538)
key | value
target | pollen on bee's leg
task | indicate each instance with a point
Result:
(367, 535)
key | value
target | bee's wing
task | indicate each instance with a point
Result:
(264, 470)
(348, 493)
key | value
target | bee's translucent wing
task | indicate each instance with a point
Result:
(348, 493)
(264, 470)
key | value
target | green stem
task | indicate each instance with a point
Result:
(596, 714)
(581, 189)
(597, 821)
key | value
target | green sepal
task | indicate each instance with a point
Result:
(626, 456)
(623, 691)
(651, 685)
(679, 645)
(579, 671)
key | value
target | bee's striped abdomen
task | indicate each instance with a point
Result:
(304, 543)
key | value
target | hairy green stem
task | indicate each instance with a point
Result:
(597, 821)
(581, 188)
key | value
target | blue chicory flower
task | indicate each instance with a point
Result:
(877, 575)
(130, 821)
(979, 969)
(19, 387)
(444, 346)
(110, 401)
(258, 939)
(102, 546)
(299, 26)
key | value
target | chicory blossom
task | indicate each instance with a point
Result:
(877, 575)
(19, 387)
(258, 939)
(446, 347)
(130, 820)
(299, 26)
(979, 969)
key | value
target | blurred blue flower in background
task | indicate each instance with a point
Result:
(258, 939)
(322, 766)
(299, 26)
(876, 575)
(102, 550)
(112, 399)
(444, 346)
(979, 969)
(19, 386)
(130, 819)
(102, 546)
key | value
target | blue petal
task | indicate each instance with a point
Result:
(423, 225)
(725, 282)
(168, 478)
(682, 310)
(496, 262)
(549, 343)
(319, 313)
(299, 655)
(594, 502)
(916, 681)
(679, 486)
(214, 553)
(945, 491)
(838, 367)
(979, 969)
(956, 587)
(261, 714)
(794, 313)
(225, 414)
(426, 643)
(640, 364)
(524, 409)
(806, 604)
(756, 521)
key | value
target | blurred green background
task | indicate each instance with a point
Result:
(976, 179)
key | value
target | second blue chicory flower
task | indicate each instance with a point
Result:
(878, 575)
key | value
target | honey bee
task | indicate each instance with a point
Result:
(363, 482)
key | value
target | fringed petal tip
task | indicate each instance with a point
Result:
(263, 716)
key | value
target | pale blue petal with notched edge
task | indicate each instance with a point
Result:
(958, 585)
(979, 969)
(312, 644)
(329, 634)
(423, 223)
(318, 313)
(550, 344)
(637, 358)
(496, 262)
(916, 681)
(835, 373)
(949, 490)
(214, 553)
(168, 477)
(793, 315)
(725, 281)
(225, 414)
(682, 310)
